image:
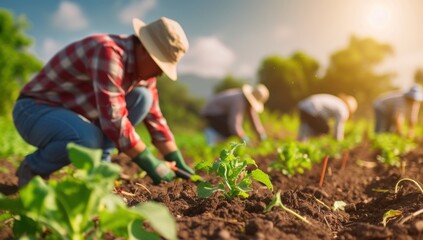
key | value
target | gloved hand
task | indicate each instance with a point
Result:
(155, 168)
(263, 136)
(176, 156)
(245, 139)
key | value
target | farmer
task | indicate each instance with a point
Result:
(316, 110)
(94, 91)
(392, 109)
(225, 112)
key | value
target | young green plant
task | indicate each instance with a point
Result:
(83, 206)
(231, 169)
(277, 202)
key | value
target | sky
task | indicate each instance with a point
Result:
(234, 36)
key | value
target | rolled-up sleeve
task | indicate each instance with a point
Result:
(155, 122)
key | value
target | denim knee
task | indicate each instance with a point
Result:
(138, 102)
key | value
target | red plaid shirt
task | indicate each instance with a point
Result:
(91, 77)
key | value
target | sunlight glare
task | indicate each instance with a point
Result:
(379, 16)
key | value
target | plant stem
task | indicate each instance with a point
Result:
(294, 213)
(408, 179)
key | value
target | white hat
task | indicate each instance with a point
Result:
(415, 93)
(350, 101)
(165, 41)
(257, 96)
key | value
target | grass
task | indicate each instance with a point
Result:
(12, 146)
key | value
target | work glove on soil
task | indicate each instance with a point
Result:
(155, 168)
(176, 156)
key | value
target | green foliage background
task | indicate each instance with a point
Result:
(16, 63)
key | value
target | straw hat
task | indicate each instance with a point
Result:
(350, 101)
(165, 41)
(415, 93)
(256, 96)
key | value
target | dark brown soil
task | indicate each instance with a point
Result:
(216, 218)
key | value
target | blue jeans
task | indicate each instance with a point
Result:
(51, 128)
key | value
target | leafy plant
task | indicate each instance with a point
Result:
(231, 168)
(277, 202)
(83, 206)
(291, 159)
(391, 147)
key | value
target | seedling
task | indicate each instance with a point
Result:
(390, 214)
(231, 168)
(391, 147)
(277, 202)
(408, 179)
(292, 158)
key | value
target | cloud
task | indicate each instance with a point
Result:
(69, 16)
(207, 57)
(136, 9)
(49, 48)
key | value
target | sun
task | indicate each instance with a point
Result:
(378, 16)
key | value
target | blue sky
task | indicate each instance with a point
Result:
(233, 36)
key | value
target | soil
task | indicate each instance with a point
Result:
(356, 184)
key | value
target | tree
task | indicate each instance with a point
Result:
(16, 63)
(227, 83)
(352, 71)
(288, 80)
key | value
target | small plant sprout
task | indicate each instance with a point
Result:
(390, 214)
(232, 170)
(277, 202)
(408, 179)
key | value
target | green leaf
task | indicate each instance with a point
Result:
(205, 189)
(83, 157)
(10, 204)
(159, 217)
(34, 194)
(136, 231)
(112, 208)
(262, 177)
(276, 202)
(390, 214)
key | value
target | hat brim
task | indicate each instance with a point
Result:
(415, 97)
(247, 90)
(144, 36)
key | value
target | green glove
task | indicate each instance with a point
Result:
(155, 168)
(176, 156)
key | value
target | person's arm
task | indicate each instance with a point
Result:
(399, 122)
(414, 113)
(236, 116)
(339, 129)
(257, 124)
(160, 133)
